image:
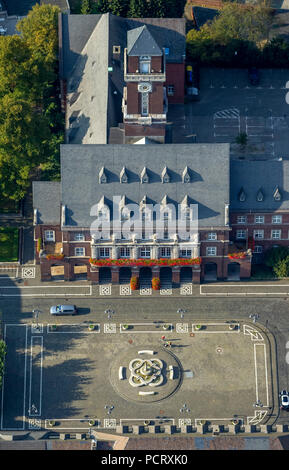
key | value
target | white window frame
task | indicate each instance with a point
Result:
(144, 252)
(79, 251)
(79, 237)
(186, 253)
(276, 219)
(274, 233)
(47, 236)
(258, 249)
(145, 104)
(211, 251)
(145, 60)
(259, 219)
(258, 235)
(124, 252)
(241, 219)
(165, 252)
(104, 252)
(171, 90)
(212, 236)
(241, 234)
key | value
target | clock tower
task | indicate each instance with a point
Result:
(144, 99)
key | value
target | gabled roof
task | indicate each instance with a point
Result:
(141, 42)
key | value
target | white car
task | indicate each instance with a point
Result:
(284, 396)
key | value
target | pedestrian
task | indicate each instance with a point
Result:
(163, 338)
(170, 344)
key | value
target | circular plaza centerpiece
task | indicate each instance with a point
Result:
(145, 375)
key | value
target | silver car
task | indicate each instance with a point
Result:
(63, 310)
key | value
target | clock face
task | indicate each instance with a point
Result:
(144, 87)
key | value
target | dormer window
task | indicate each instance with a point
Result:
(165, 176)
(123, 177)
(186, 176)
(102, 176)
(242, 195)
(144, 176)
(277, 195)
(260, 196)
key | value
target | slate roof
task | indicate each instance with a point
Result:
(46, 199)
(252, 176)
(208, 165)
(84, 64)
(141, 42)
(201, 15)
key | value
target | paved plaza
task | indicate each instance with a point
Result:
(71, 375)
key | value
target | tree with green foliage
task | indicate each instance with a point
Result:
(31, 123)
(137, 9)
(281, 269)
(39, 31)
(2, 360)
(85, 7)
(275, 255)
(235, 36)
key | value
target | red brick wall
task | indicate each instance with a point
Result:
(156, 64)
(132, 64)
(175, 75)
(133, 99)
(156, 99)
(267, 226)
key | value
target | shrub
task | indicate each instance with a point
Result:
(39, 244)
(281, 269)
(156, 283)
(134, 283)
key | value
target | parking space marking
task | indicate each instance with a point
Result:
(265, 372)
(66, 290)
(33, 409)
(24, 379)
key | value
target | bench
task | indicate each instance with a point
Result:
(146, 352)
(171, 372)
(146, 393)
(121, 373)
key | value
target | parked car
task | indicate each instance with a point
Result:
(254, 76)
(284, 397)
(63, 310)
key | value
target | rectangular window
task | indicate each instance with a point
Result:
(79, 237)
(185, 253)
(116, 49)
(258, 234)
(49, 235)
(259, 219)
(258, 249)
(165, 252)
(79, 251)
(211, 250)
(277, 219)
(241, 234)
(145, 64)
(144, 104)
(212, 236)
(276, 234)
(104, 252)
(241, 219)
(145, 252)
(124, 252)
(171, 90)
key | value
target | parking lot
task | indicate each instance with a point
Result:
(229, 105)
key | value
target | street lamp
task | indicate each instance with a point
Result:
(109, 312)
(184, 408)
(36, 312)
(254, 317)
(181, 311)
